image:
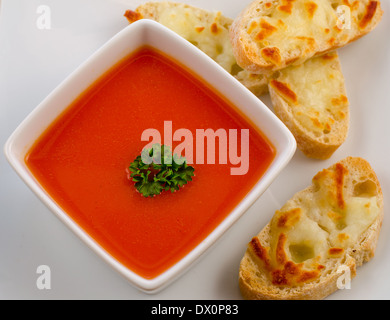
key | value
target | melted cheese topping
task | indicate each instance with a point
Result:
(359, 214)
(320, 226)
(316, 93)
(209, 35)
(344, 218)
(294, 28)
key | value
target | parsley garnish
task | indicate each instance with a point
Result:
(156, 170)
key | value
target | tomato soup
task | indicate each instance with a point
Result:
(81, 161)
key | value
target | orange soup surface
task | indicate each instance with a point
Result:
(81, 161)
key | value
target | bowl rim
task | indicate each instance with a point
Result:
(142, 27)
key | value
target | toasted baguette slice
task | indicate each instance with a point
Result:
(209, 31)
(271, 34)
(319, 236)
(311, 100)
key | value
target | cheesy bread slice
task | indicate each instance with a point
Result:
(311, 100)
(270, 35)
(323, 231)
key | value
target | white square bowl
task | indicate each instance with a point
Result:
(136, 35)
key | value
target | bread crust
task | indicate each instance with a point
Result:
(257, 52)
(253, 280)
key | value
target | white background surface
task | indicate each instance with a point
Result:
(33, 62)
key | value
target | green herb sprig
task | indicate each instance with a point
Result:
(157, 170)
